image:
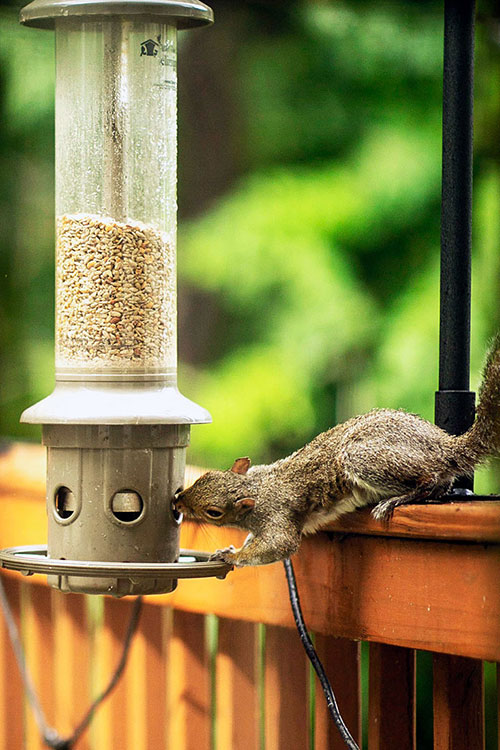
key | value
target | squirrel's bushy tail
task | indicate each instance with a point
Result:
(483, 438)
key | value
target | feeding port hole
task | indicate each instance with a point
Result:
(65, 503)
(127, 506)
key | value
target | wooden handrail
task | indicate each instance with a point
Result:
(427, 580)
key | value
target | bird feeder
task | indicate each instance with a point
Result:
(116, 427)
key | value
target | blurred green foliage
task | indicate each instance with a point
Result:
(325, 258)
(318, 267)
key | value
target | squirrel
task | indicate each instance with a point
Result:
(385, 458)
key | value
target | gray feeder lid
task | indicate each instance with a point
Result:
(124, 401)
(185, 14)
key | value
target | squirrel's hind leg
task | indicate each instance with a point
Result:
(425, 493)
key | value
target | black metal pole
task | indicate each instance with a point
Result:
(454, 401)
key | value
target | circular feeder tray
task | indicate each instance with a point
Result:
(33, 559)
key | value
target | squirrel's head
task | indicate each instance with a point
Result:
(219, 497)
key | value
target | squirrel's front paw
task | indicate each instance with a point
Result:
(227, 555)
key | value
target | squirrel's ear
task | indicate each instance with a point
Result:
(244, 505)
(241, 465)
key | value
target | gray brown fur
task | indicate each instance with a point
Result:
(385, 458)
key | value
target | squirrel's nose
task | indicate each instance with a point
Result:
(178, 503)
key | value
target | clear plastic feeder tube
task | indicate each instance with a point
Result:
(116, 155)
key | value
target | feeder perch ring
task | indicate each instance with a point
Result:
(32, 559)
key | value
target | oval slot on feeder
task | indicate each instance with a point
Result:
(65, 503)
(127, 506)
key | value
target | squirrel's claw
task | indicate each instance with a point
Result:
(383, 511)
(224, 555)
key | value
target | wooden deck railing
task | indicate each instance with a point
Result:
(218, 664)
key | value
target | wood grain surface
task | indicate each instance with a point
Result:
(392, 699)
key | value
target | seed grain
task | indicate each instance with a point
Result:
(116, 295)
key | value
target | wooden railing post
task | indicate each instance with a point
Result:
(11, 688)
(286, 691)
(237, 686)
(341, 659)
(391, 715)
(458, 703)
(188, 685)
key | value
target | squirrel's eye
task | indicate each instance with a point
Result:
(214, 512)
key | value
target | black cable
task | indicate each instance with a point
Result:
(50, 736)
(314, 658)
